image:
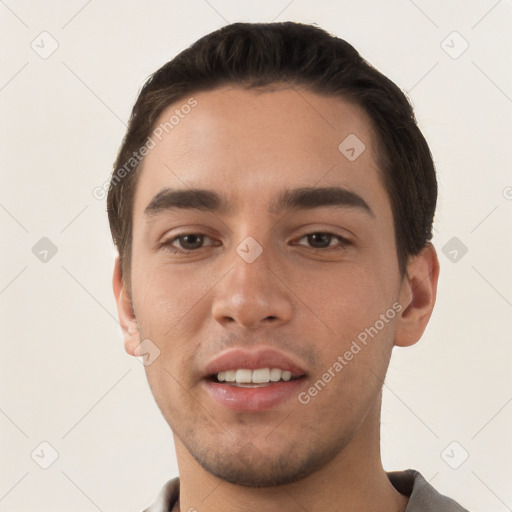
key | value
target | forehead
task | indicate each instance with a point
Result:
(249, 143)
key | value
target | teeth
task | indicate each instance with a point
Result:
(259, 376)
(230, 376)
(243, 376)
(275, 374)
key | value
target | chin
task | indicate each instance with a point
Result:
(250, 468)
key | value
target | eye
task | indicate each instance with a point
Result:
(190, 242)
(187, 242)
(322, 240)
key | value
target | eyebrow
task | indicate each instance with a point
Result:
(300, 198)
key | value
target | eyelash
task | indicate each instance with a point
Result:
(343, 242)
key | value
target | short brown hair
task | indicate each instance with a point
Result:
(261, 54)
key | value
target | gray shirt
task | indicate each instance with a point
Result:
(422, 496)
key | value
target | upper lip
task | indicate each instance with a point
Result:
(234, 359)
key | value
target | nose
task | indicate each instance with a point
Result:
(253, 295)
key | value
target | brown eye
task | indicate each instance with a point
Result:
(323, 240)
(319, 240)
(193, 241)
(186, 243)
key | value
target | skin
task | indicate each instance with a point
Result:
(297, 297)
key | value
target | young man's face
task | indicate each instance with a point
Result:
(304, 303)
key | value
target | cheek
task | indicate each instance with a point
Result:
(356, 335)
(170, 391)
(349, 299)
(166, 297)
(352, 368)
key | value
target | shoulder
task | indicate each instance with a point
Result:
(166, 498)
(423, 497)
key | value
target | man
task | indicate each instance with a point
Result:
(272, 204)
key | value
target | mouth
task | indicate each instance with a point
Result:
(253, 381)
(258, 378)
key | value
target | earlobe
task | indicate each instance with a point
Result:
(125, 311)
(417, 296)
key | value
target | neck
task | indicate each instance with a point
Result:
(353, 481)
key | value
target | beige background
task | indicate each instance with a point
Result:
(64, 376)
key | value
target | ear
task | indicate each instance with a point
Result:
(417, 296)
(125, 311)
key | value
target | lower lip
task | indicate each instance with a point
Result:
(253, 399)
